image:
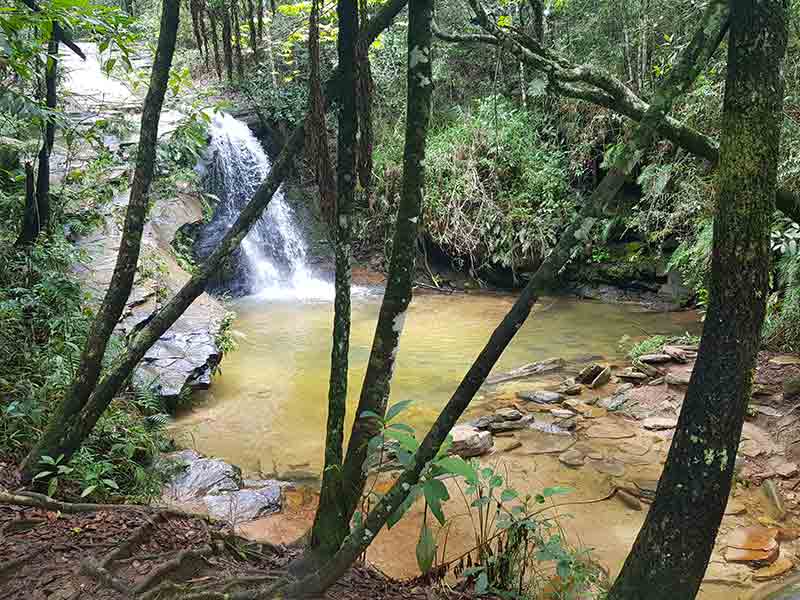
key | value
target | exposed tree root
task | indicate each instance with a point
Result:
(126, 548)
(172, 565)
(90, 567)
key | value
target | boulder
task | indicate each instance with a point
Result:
(470, 441)
(245, 505)
(603, 378)
(200, 476)
(540, 396)
(589, 374)
(515, 425)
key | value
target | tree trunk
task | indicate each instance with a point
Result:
(201, 18)
(537, 20)
(260, 20)
(331, 522)
(194, 10)
(252, 29)
(48, 137)
(110, 384)
(30, 217)
(237, 38)
(67, 419)
(212, 19)
(375, 388)
(671, 553)
(227, 44)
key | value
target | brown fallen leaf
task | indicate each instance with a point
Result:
(754, 538)
(744, 555)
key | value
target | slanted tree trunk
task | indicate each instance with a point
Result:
(30, 216)
(331, 522)
(237, 38)
(212, 19)
(67, 419)
(251, 20)
(227, 43)
(116, 376)
(537, 20)
(672, 550)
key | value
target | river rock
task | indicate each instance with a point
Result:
(654, 359)
(611, 431)
(540, 396)
(603, 378)
(676, 354)
(469, 441)
(549, 365)
(572, 458)
(245, 505)
(776, 569)
(659, 423)
(677, 378)
(200, 476)
(541, 442)
(791, 386)
(785, 359)
(562, 413)
(508, 414)
(513, 425)
(752, 544)
(588, 374)
(629, 500)
(631, 374)
(571, 389)
(648, 370)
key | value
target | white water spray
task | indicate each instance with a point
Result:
(273, 252)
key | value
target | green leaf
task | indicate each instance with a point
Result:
(402, 427)
(41, 474)
(407, 442)
(52, 486)
(111, 483)
(555, 491)
(426, 549)
(396, 409)
(435, 493)
(455, 465)
(88, 491)
(496, 481)
(482, 584)
(508, 495)
(369, 414)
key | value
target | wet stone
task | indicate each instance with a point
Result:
(245, 505)
(469, 441)
(610, 431)
(572, 458)
(542, 442)
(589, 374)
(603, 378)
(654, 359)
(659, 423)
(608, 466)
(540, 396)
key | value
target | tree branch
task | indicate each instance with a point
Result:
(60, 33)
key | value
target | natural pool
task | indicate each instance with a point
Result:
(266, 411)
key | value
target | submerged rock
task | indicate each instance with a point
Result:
(603, 378)
(549, 365)
(536, 441)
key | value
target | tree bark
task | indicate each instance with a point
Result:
(252, 29)
(671, 553)
(113, 380)
(48, 136)
(260, 20)
(67, 418)
(227, 44)
(377, 380)
(201, 19)
(30, 216)
(237, 38)
(194, 10)
(331, 522)
(212, 19)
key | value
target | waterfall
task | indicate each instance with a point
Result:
(272, 257)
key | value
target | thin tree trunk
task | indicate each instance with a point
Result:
(252, 29)
(194, 10)
(30, 217)
(260, 20)
(48, 137)
(237, 39)
(201, 19)
(212, 19)
(537, 20)
(271, 55)
(331, 523)
(689, 64)
(377, 380)
(671, 553)
(227, 44)
(110, 384)
(67, 420)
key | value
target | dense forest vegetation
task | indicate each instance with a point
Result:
(537, 146)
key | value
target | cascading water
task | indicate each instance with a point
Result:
(271, 261)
